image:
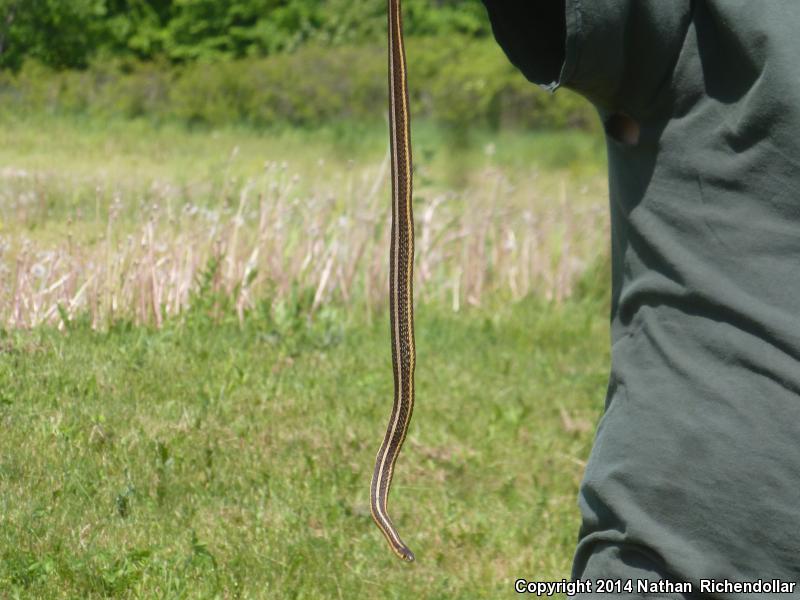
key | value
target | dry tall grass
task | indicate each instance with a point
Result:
(278, 230)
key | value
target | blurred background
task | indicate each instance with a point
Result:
(195, 370)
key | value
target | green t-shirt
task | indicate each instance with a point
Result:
(695, 470)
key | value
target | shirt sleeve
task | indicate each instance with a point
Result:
(533, 35)
(617, 53)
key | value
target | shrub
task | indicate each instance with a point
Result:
(456, 81)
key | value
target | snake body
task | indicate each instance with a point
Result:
(401, 292)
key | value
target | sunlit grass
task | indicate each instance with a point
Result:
(130, 153)
(212, 459)
(195, 365)
(119, 221)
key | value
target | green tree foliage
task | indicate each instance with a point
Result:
(262, 62)
(70, 34)
(57, 33)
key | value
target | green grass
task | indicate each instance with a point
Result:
(213, 460)
(59, 171)
(219, 457)
(130, 153)
(117, 217)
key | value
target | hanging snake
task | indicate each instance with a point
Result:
(401, 292)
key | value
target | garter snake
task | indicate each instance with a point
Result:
(401, 292)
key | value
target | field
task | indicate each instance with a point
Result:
(195, 368)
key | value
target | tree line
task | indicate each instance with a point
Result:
(71, 34)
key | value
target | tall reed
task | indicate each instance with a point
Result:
(141, 257)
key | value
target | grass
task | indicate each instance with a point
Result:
(195, 366)
(210, 459)
(127, 153)
(120, 219)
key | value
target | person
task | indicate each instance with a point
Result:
(694, 476)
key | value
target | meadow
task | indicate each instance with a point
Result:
(195, 364)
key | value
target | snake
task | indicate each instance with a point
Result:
(401, 289)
